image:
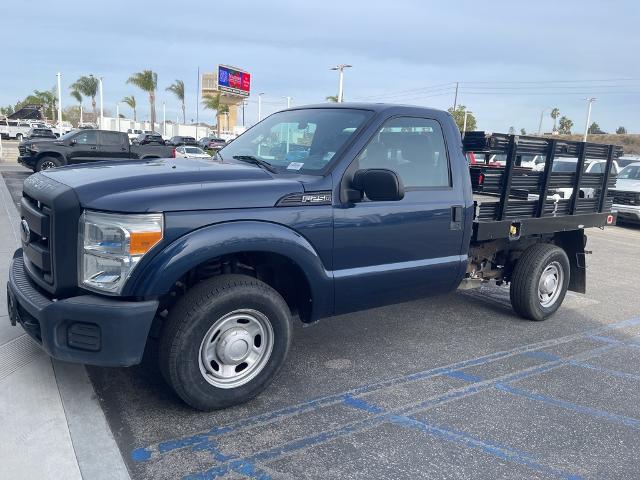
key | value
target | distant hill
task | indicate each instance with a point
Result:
(629, 142)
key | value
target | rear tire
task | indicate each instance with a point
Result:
(539, 281)
(19, 137)
(224, 341)
(45, 163)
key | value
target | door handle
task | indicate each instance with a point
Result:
(456, 217)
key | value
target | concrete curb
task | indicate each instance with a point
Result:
(95, 448)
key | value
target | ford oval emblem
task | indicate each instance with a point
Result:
(25, 231)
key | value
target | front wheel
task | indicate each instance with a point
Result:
(539, 281)
(225, 341)
(45, 163)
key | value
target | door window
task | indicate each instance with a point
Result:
(90, 137)
(412, 147)
(110, 138)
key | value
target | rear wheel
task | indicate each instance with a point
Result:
(225, 341)
(45, 163)
(539, 281)
(19, 137)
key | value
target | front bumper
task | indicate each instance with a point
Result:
(627, 212)
(86, 329)
(28, 161)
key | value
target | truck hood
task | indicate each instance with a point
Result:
(627, 185)
(163, 185)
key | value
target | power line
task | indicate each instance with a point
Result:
(435, 87)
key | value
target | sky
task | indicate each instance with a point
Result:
(512, 59)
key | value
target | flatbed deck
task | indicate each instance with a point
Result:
(513, 201)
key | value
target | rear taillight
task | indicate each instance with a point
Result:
(481, 179)
(173, 153)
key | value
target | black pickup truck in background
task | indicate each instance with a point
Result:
(81, 146)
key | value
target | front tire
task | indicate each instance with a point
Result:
(539, 281)
(224, 341)
(45, 163)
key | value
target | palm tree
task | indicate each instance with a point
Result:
(332, 98)
(177, 88)
(555, 113)
(131, 101)
(76, 94)
(147, 80)
(88, 86)
(47, 98)
(212, 102)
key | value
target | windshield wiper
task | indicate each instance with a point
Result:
(255, 161)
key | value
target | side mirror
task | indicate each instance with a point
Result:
(72, 142)
(379, 184)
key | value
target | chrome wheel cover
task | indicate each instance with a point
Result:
(550, 284)
(236, 348)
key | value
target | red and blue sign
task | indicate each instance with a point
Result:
(233, 81)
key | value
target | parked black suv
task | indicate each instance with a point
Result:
(148, 139)
(178, 141)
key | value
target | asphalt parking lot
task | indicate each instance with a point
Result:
(446, 387)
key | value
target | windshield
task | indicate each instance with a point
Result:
(630, 172)
(193, 150)
(67, 136)
(302, 141)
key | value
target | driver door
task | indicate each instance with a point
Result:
(85, 147)
(391, 251)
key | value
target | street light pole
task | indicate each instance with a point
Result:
(164, 120)
(244, 104)
(260, 106)
(540, 124)
(288, 101)
(586, 126)
(101, 103)
(59, 75)
(340, 68)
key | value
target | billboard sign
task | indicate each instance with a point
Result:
(233, 81)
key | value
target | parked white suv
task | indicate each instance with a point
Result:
(626, 195)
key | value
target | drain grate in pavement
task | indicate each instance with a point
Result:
(17, 353)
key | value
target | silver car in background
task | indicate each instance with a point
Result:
(626, 195)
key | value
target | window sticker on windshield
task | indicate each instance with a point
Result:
(295, 166)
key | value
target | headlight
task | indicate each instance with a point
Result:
(33, 147)
(111, 245)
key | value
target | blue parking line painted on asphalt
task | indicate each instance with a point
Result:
(145, 454)
(591, 411)
(462, 438)
(603, 338)
(377, 419)
(360, 404)
(244, 468)
(608, 371)
(542, 355)
(460, 375)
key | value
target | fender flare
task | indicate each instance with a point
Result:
(158, 276)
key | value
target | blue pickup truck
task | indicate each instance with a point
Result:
(315, 211)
